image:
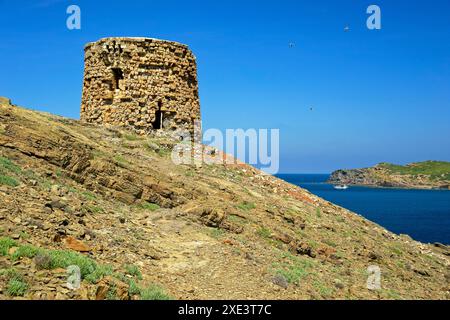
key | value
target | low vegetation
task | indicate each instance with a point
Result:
(216, 233)
(9, 181)
(91, 271)
(17, 285)
(293, 268)
(246, 206)
(154, 292)
(435, 169)
(264, 232)
(8, 165)
(149, 206)
(8, 171)
(93, 209)
(133, 271)
(132, 137)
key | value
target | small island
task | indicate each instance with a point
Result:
(419, 175)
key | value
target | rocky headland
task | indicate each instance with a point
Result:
(420, 175)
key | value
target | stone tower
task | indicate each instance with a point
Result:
(143, 83)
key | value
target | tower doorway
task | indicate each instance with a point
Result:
(117, 76)
(158, 123)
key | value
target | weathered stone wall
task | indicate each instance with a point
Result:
(142, 83)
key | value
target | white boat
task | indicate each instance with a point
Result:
(341, 187)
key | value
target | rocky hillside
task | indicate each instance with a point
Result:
(140, 227)
(420, 175)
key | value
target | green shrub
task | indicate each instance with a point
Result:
(27, 251)
(149, 206)
(65, 258)
(8, 181)
(16, 288)
(112, 293)
(121, 161)
(133, 288)
(99, 272)
(318, 213)
(189, 173)
(8, 165)
(216, 233)
(163, 152)
(292, 274)
(45, 259)
(11, 273)
(391, 294)
(134, 271)
(246, 206)
(237, 219)
(53, 259)
(94, 209)
(264, 232)
(131, 137)
(323, 290)
(89, 195)
(331, 243)
(5, 245)
(295, 269)
(397, 249)
(154, 292)
(24, 235)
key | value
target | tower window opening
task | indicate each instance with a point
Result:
(118, 75)
(157, 124)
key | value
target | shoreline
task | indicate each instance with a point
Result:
(384, 187)
(279, 175)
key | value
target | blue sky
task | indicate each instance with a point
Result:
(377, 95)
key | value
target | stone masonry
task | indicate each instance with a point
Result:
(142, 83)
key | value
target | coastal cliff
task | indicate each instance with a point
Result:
(419, 175)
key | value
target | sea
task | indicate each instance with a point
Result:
(424, 215)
